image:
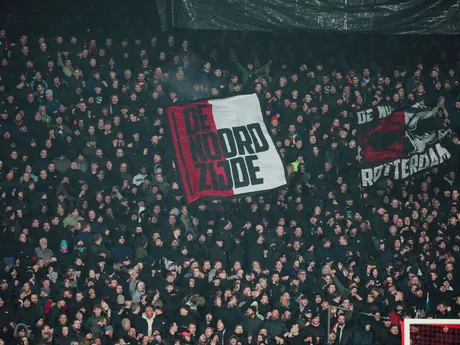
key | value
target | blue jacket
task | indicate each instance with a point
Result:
(121, 252)
(51, 106)
(363, 337)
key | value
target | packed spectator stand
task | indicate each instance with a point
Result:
(99, 247)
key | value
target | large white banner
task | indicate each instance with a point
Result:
(223, 148)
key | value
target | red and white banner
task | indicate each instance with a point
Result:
(223, 148)
(398, 144)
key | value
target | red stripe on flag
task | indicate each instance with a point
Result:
(401, 330)
(189, 166)
(384, 142)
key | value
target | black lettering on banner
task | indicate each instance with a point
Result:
(397, 165)
(191, 121)
(405, 168)
(243, 140)
(377, 172)
(366, 177)
(180, 149)
(202, 117)
(203, 174)
(413, 164)
(433, 156)
(213, 176)
(211, 146)
(253, 170)
(384, 111)
(226, 138)
(227, 175)
(365, 116)
(196, 148)
(442, 153)
(258, 138)
(241, 179)
(423, 162)
(387, 170)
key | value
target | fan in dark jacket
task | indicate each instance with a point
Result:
(252, 322)
(274, 326)
(363, 336)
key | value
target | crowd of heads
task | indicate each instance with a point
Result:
(98, 245)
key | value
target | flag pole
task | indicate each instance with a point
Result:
(359, 159)
(427, 303)
(361, 188)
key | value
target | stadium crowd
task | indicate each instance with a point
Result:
(99, 247)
